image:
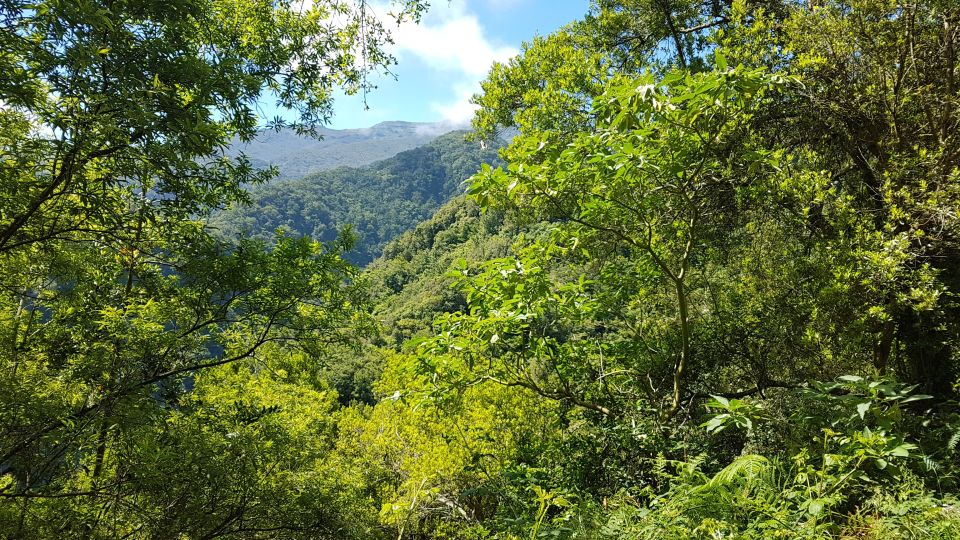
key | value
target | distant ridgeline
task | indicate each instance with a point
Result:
(295, 156)
(379, 201)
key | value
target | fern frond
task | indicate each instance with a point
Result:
(743, 468)
(954, 439)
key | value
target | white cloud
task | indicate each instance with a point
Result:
(451, 40)
(436, 128)
(454, 42)
(459, 111)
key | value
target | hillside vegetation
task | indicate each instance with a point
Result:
(377, 202)
(709, 289)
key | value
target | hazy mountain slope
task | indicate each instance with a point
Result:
(380, 201)
(297, 156)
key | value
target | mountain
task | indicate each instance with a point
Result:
(296, 156)
(377, 201)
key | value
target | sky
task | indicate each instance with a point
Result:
(442, 60)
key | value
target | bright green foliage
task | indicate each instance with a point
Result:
(782, 209)
(243, 452)
(429, 463)
(880, 114)
(415, 278)
(808, 494)
(546, 89)
(658, 178)
(709, 207)
(121, 317)
(105, 354)
(737, 413)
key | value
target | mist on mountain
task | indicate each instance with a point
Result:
(295, 156)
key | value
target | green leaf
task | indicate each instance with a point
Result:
(815, 507)
(722, 401)
(716, 423)
(721, 60)
(902, 450)
(862, 408)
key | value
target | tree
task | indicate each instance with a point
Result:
(114, 297)
(710, 244)
(870, 256)
(104, 97)
(642, 197)
(879, 111)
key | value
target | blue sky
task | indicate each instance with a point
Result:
(443, 59)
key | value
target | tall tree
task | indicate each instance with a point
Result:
(114, 298)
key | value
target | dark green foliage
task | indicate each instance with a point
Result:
(376, 202)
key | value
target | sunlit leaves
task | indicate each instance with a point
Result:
(658, 179)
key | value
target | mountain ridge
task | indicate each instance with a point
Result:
(378, 201)
(296, 156)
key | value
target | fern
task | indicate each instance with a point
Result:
(930, 464)
(744, 468)
(954, 439)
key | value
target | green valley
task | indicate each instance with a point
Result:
(377, 202)
(693, 273)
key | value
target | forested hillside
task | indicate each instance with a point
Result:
(710, 289)
(377, 202)
(411, 283)
(295, 156)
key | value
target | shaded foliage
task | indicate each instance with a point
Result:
(376, 202)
